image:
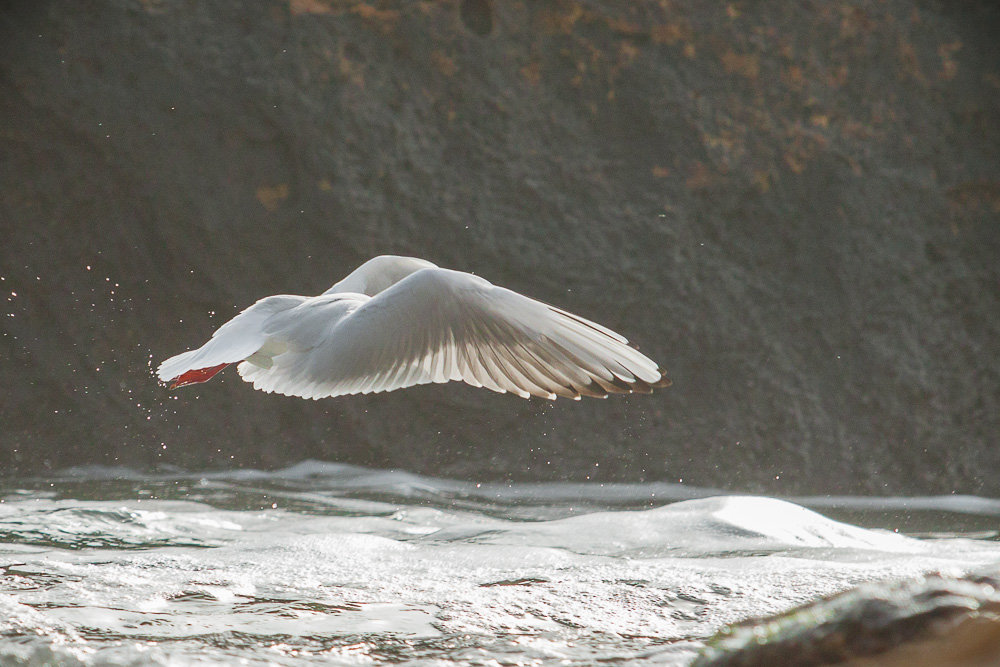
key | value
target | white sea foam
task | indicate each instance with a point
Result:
(334, 563)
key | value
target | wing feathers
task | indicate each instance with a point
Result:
(438, 325)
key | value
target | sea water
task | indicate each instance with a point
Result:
(335, 564)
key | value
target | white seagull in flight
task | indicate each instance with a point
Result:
(400, 321)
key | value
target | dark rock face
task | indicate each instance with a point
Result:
(794, 209)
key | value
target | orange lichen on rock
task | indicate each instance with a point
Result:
(745, 64)
(271, 197)
(443, 63)
(297, 7)
(532, 72)
(949, 66)
(699, 178)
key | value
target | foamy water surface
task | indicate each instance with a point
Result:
(336, 564)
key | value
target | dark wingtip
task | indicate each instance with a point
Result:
(664, 381)
(593, 390)
(640, 387)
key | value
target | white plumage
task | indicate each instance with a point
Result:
(400, 321)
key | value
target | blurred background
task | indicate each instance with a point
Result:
(793, 207)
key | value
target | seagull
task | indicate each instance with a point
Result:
(397, 322)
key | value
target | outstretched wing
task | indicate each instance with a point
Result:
(438, 325)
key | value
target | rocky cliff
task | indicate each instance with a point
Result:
(793, 207)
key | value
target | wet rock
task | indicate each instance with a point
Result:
(794, 210)
(937, 620)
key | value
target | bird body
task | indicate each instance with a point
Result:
(400, 321)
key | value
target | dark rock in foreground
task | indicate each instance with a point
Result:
(929, 622)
